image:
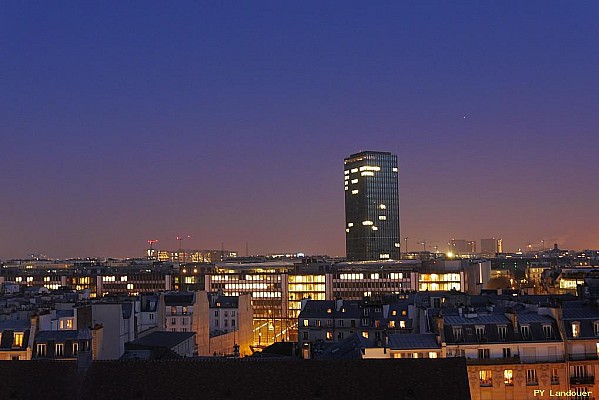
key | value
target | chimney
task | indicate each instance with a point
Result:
(511, 315)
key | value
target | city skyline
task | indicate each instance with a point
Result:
(228, 123)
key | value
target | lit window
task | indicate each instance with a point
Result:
(382, 217)
(384, 255)
(346, 172)
(365, 223)
(485, 377)
(365, 334)
(374, 228)
(350, 224)
(432, 354)
(354, 170)
(396, 244)
(129, 286)
(347, 230)
(394, 312)
(391, 324)
(346, 188)
(575, 329)
(329, 335)
(305, 322)
(46, 279)
(346, 178)
(394, 169)
(383, 207)
(367, 173)
(18, 339)
(354, 181)
(355, 191)
(402, 324)
(508, 377)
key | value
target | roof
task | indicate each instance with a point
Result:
(62, 335)
(405, 342)
(478, 320)
(161, 339)
(251, 379)
(179, 299)
(15, 325)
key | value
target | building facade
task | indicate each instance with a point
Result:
(371, 206)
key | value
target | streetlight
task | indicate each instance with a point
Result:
(406, 246)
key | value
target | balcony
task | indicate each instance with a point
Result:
(583, 356)
(516, 359)
(582, 380)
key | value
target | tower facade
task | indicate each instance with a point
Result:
(371, 206)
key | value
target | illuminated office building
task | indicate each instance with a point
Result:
(371, 206)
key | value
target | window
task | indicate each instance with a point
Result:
(226, 314)
(554, 376)
(432, 354)
(226, 323)
(216, 322)
(173, 310)
(575, 329)
(508, 377)
(329, 322)
(18, 339)
(184, 310)
(151, 317)
(391, 324)
(394, 312)
(402, 324)
(340, 322)
(484, 353)
(329, 335)
(174, 321)
(485, 377)
(317, 322)
(233, 323)
(305, 335)
(525, 331)
(458, 333)
(547, 331)
(480, 331)
(59, 350)
(216, 313)
(507, 352)
(41, 350)
(531, 377)
(182, 321)
(306, 323)
(340, 335)
(502, 331)
(233, 313)
(75, 348)
(365, 334)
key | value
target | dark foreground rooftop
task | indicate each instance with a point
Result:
(401, 379)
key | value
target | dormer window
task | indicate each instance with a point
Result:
(502, 332)
(525, 331)
(547, 331)
(457, 333)
(596, 326)
(575, 329)
(480, 331)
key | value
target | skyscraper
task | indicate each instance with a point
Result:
(371, 206)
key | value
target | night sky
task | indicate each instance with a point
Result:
(229, 121)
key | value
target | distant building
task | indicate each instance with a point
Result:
(461, 247)
(371, 206)
(490, 247)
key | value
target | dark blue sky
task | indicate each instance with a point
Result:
(126, 121)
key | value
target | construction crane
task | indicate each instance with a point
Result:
(151, 249)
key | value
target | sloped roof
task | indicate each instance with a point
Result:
(410, 342)
(264, 379)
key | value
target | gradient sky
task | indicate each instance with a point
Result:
(229, 121)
